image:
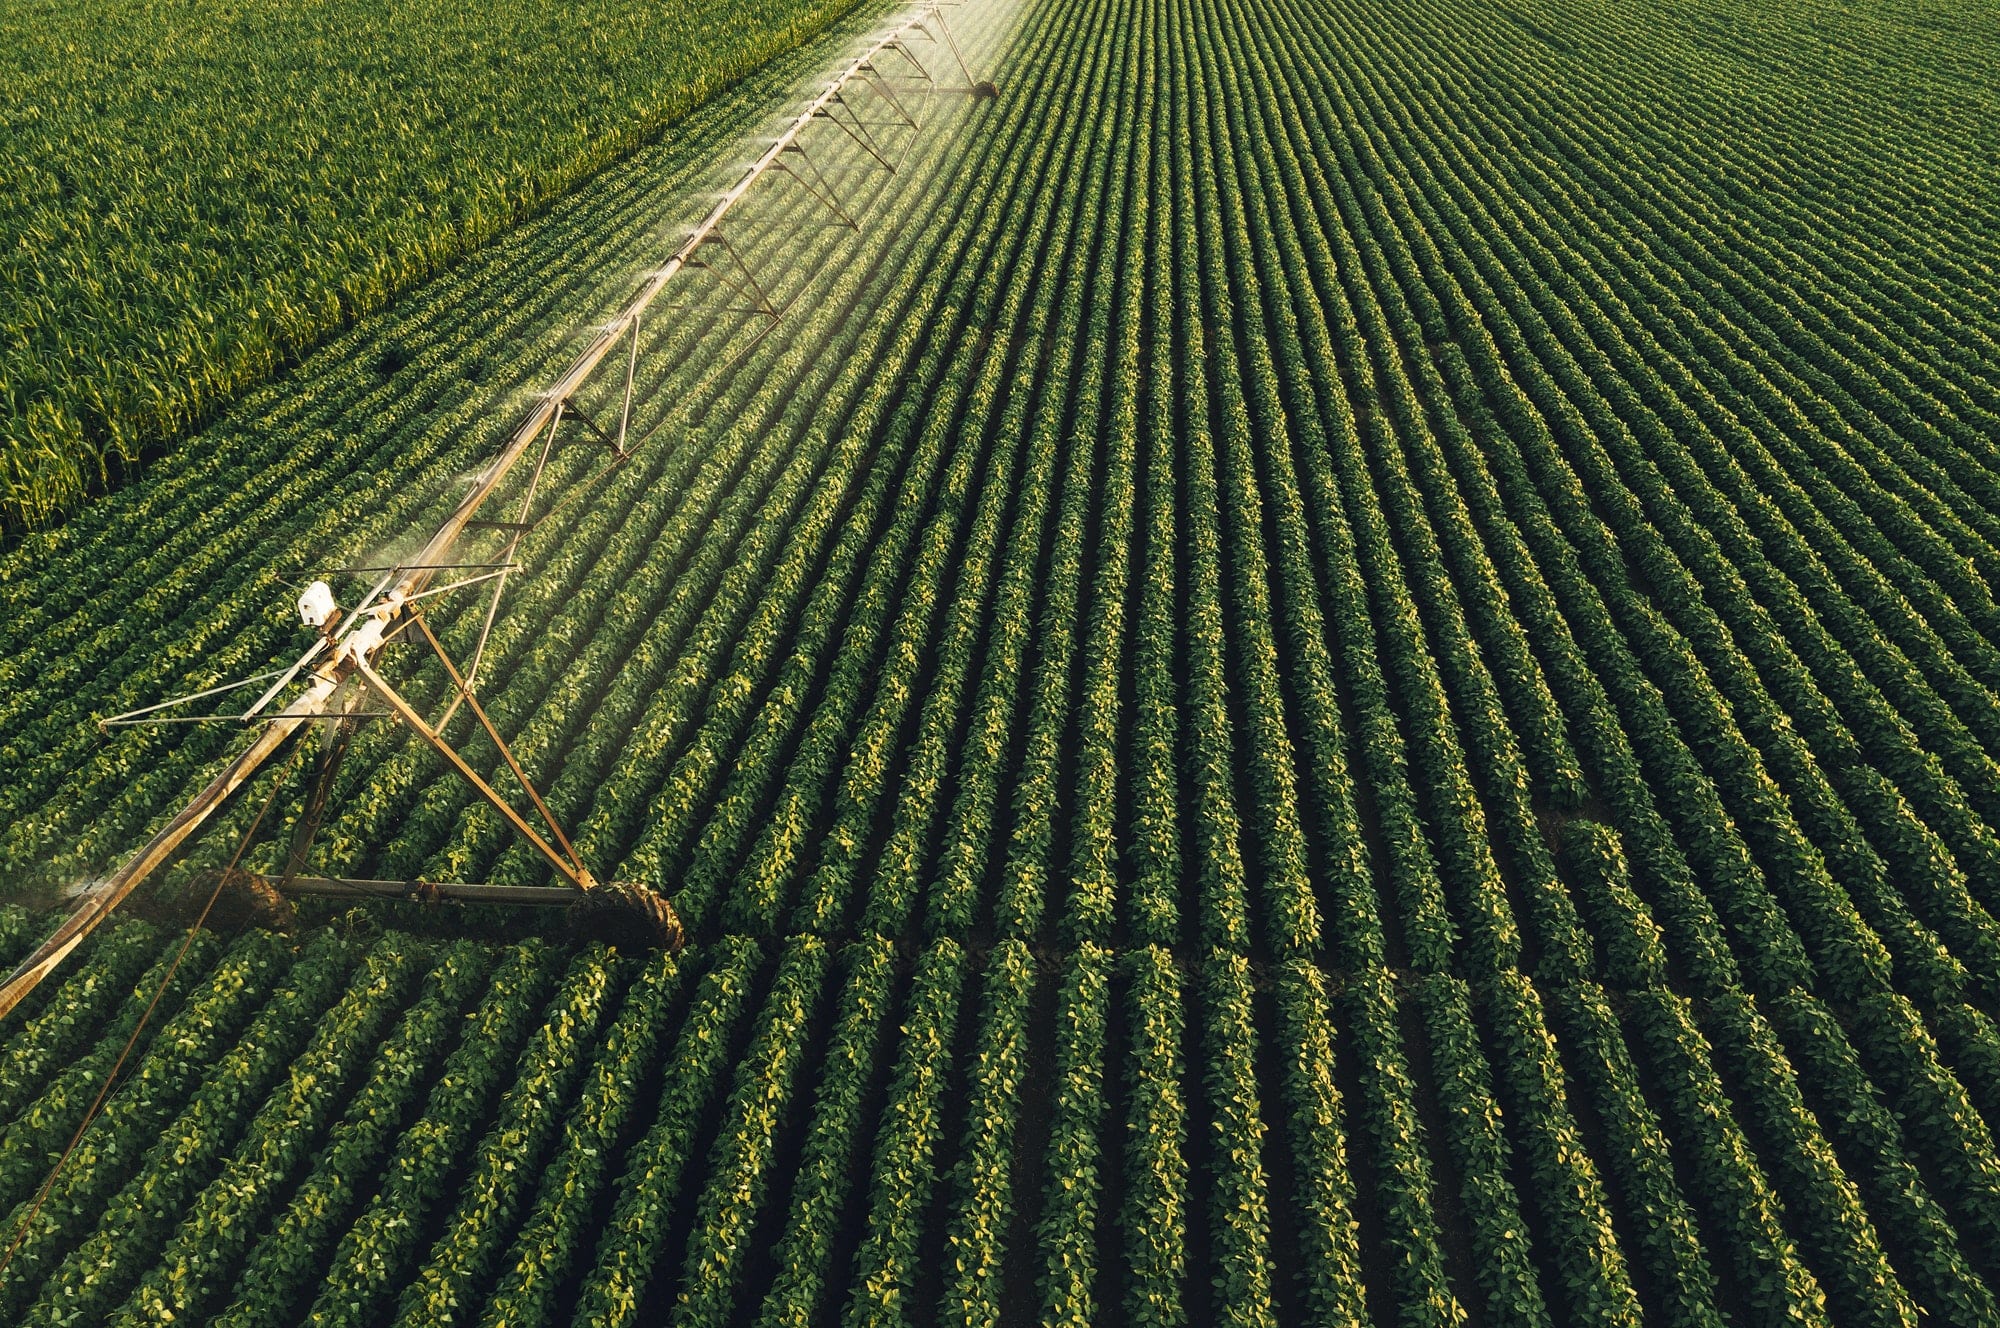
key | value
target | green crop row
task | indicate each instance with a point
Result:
(1156, 1166)
(375, 1252)
(549, 1240)
(288, 1256)
(834, 1141)
(38, 1133)
(217, 1226)
(740, 1163)
(628, 1248)
(127, 1225)
(54, 1037)
(1066, 1231)
(983, 1181)
(905, 1170)
(183, 1056)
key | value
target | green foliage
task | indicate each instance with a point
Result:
(983, 1180)
(375, 1253)
(1725, 1173)
(1563, 1181)
(1639, 1160)
(291, 1254)
(1239, 1218)
(1156, 1167)
(184, 1057)
(1066, 1230)
(55, 1036)
(552, 1235)
(218, 1225)
(835, 1142)
(36, 1136)
(1479, 1148)
(131, 1223)
(1317, 1123)
(1342, 669)
(628, 1248)
(1387, 1120)
(740, 1162)
(198, 202)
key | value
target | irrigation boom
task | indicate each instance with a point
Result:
(340, 667)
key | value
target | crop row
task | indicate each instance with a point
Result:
(1340, 682)
(522, 1135)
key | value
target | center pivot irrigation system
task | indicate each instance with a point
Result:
(338, 682)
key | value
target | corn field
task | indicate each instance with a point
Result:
(196, 198)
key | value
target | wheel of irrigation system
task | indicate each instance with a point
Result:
(627, 916)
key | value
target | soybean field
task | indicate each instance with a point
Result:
(1342, 670)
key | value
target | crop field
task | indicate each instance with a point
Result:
(1342, 670)
(197, 195)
